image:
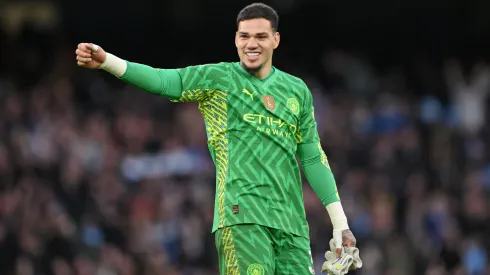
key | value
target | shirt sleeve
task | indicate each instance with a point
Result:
(165, 83)
(308, 132)
(189, 84)
(313, 159)
(201, 81)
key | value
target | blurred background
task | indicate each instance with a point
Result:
(99, 178)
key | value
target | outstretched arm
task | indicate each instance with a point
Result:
(161, 82)
(166, 83)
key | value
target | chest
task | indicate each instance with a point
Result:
(275, 109)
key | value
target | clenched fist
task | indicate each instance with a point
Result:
(90, 55)
(344, 238)
(348, 238)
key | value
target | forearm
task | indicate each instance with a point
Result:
(161, 82)
(322, 181)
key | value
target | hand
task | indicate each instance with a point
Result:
(343, 256)
(90, 56)
(348, 240)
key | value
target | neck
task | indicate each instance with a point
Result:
(264, 72)
(261, 72)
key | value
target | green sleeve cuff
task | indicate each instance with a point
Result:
(318, 173)
(165, 83)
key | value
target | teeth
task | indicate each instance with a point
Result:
(252, 54)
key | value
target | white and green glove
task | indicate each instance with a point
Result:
(349, 257)
(337, 266)
(354, 252)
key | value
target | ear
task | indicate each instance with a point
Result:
(277, 39)
(236, 39)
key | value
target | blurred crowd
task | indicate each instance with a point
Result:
(99, 178)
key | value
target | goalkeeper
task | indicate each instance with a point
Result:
(258, 119)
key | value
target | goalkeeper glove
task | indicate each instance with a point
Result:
(340, 259)
(337, 266)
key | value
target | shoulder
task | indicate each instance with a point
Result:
(206, 76)
(290, 79)
(206, 68)
(218, 66)
(296, 83)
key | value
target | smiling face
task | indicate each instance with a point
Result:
(255, 41)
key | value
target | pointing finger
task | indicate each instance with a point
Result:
(337, 237)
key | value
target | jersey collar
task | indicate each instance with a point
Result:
(260, 83)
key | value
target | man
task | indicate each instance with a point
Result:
(257, 119)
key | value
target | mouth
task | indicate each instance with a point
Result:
(252, 56)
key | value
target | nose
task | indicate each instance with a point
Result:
(252, 43)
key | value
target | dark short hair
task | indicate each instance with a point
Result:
(259, 10)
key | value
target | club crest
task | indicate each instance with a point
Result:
(269, 102)
(255, 269)
(293, 105)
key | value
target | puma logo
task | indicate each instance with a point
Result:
(251, 95)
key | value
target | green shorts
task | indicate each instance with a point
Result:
(249, 249)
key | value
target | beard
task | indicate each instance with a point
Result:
(251, 70)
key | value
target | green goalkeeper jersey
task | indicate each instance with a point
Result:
(254, 127)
